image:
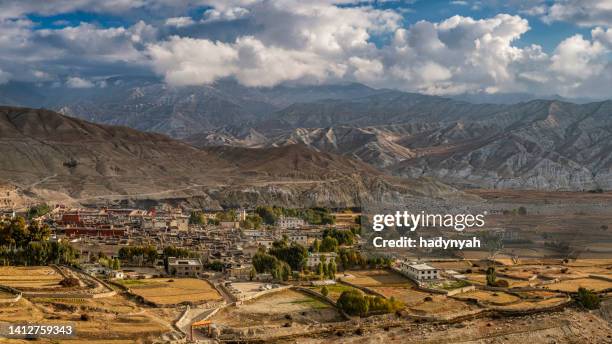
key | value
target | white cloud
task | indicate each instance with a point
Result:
(577, 58)
(458, 54)
(76, 82)
(313, 41)
(581, 12)
(188, 61)
(367, 70)
(228, 14)
(603, 36)
(180, 21)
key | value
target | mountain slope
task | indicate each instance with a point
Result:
(541, 144)
(53, 157)
(561, 146)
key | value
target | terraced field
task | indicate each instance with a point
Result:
(164, 291)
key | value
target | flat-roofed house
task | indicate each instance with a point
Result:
(420, 271)
(185, 267)
(285, 222)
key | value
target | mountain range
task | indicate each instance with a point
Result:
(548, 144)
(53, 157)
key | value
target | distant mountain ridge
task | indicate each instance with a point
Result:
(549, 145)
(536, 144)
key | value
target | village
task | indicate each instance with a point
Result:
(168, 275)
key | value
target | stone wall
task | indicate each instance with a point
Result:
(13, 291)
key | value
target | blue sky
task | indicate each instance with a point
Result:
(434, 46)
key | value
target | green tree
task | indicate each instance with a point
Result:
(332, 269)
(267, 214)
(215, 265)
(320, 269)
(263, 262)
(38, 210)
(116, 265)
(196, 218)
(491, 276)
(329, 244)
(324, 291)
(315, 246)
(39, 232)
(353, 303)
(294, 254)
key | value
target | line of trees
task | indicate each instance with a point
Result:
(23, 243)
(353, 302)
(138, 255)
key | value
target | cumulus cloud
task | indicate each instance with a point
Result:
(265, 43)
(188, 61)
(459, 54)
(578, 58)
(603, 36)
(582, 12)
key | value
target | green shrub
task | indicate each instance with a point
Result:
(587, 298)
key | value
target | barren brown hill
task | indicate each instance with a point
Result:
(52, 157)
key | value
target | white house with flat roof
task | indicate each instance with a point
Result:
(285, 222)
(420, 271)
(185, 267)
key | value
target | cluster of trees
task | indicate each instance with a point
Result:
(23, 243)
(253, 221)
(342, 236)
(215, 265)
(198, 217)
(293, 254)
(328, 244)
(264, 262)
(332, 240)
(38, 210)
(327, 270)
(317, 216)
(178, 252)
(18, 233)
(39, 253)
(111, 263)
(280, 259)
(353, 302)
(138, 255)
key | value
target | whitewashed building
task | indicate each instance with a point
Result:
(190, 267)
(285, 222)
(420, 271)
